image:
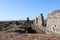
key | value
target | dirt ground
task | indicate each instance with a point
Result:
(16, 36)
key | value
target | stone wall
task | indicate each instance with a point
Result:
(53, 21)
(40, 20)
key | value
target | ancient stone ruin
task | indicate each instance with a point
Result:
(39, 25)
(52, 23)
(40, 20)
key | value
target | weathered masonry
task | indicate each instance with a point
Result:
(53, 21)
(40, 20)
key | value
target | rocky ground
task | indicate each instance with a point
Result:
(17, 36)
(27, 31)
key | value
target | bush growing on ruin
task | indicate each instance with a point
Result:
(27, 19)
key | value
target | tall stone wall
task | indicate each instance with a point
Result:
(53, 21)
(40, 20)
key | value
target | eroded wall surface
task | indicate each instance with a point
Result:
(53, 21)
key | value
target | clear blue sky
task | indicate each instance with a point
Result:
(20, 9)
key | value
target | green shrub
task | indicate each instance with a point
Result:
(2, 26)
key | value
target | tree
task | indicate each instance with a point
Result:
(27, 19)
(42, 19)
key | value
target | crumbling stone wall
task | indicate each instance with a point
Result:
(40, 20)
(53, 21)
